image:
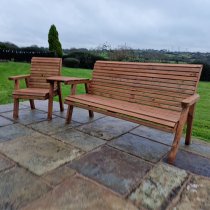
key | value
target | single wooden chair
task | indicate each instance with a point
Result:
(37, 86)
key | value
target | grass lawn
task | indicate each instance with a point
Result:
(201, 127)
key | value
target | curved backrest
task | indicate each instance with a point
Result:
(41, 68)
(153, 84)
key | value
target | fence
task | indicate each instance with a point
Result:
(23, 55)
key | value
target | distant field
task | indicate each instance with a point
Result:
(201, 127)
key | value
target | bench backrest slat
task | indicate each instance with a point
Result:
(41, 68)
(160, 85)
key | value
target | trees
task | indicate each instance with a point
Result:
(53, 40)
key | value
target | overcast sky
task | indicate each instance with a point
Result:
(145, 24)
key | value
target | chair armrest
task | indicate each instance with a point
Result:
(19, 77)
(190, 100)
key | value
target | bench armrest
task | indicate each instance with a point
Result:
(190, 100)
(19, 77)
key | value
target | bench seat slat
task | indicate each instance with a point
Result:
(157, 115)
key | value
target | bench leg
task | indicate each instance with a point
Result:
(32, 103)
(178, 135)
(189, 125)
(60, 97)
(16, 108)
(91, 114)
(69, 113)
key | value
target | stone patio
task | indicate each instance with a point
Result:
(96, 164)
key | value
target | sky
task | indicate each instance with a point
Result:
(178, 25)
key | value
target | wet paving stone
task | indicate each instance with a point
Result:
(162, 184)
(43, 105)
(27, 116)
(58, 175)
(57, 124)
(39, 154)
(19, 187)
(80, 115)
(79, 139)
(11, 132)
(9, 107)
(195, 195)
(154, 134)
(80, 194)
(107, 128)
(4, 121)
(5, 163)
(117, 170)
(198, 147)
(141, 147)
(192, 162)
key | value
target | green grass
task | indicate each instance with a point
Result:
(201, 128)
(11, 69)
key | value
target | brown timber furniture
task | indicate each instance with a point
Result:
(36, 83)
(73, 81)
(161, 96)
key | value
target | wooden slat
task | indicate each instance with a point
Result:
(129, 82)
(148, 64)
(157, 116)
(137, 79)
(124, 117)
(138, 101)
(148, 74)
(41, 68)
(138, 90)
(144, 70)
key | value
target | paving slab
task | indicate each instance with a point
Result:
(197, 146)
(11, 132)
(154, 134)
(140, 146)
(5, 163)
(159, 187)
(43, 105)
(107, 128)
(195, 195)
(192, 162)
(19, 187)
(79, 139)
(4, 121)
(39, 154)
(9, 107)
(58, 175)
(57, 124)
(117, 170)
(80, 115)
(80, 194)
(27, 116)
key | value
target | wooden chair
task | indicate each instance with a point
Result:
(36, 84)
(161, 96)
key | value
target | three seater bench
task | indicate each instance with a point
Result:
(161, 96)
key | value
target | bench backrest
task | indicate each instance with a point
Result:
(41, 68)
(153, 84)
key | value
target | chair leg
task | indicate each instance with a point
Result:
(189, 125)
(178, 135)
(69, 114)
(60, 98)
(32, 103)
(16, 108)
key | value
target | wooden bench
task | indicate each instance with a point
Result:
(37, 86)
(161, 96)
